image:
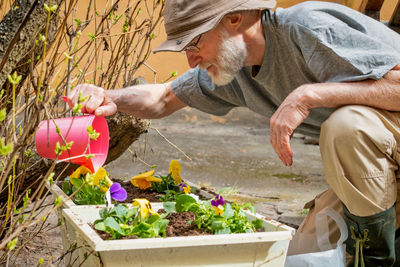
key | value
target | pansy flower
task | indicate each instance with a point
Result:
(82, 170)
(102, 180)
(143, 180)
(100, 175)
(175, 170)
(145, 207)
(185, 188)
(217, 201)
(117, 192)
(217, 204)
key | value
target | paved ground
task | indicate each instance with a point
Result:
(231, 153)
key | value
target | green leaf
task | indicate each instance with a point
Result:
(121, 211)
(5, 149)
(223, 231)
(169, 207)
(58, 200)
(113, 224)
(183, 199)
(159, 227)
(103, 213)
(100, 226)
(258, 224)
(228, 211)
(77, 182)
(12, 244)
(66, 188)
(131, 212)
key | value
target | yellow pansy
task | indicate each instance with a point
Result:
(175, 170)
(145, 207)
(82, 170)
(143, 180)
(187, 189)
(101, 174)
(218, 210)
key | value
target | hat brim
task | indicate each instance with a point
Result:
(178, 43)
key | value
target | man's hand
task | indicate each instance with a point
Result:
(97, 102)
(290, 114)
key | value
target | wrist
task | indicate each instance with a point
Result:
(308, 96)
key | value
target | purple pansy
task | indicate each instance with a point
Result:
(118, 192)
(218, 200)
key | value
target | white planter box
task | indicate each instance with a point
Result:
(255, 249)
(68, 235)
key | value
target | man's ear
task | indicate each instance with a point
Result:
(232, 22)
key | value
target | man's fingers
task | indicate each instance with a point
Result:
(282, 148)
(93, 103)
(107, 109)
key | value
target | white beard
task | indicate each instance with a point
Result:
(229, 60)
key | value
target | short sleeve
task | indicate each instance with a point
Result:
(196, 89)
(340, 51)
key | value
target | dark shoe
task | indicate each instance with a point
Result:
(372, 239)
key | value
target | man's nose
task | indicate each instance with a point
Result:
(193, 58)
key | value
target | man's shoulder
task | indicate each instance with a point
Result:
(313, 13)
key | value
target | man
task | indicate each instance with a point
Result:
(313, 64)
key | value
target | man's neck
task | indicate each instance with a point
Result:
(255, 43)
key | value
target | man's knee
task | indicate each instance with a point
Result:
(344, 127)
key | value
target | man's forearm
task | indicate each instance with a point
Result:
(383, 94)
(146, 101)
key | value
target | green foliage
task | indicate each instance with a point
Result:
(233, 220)
(5, 149)
(60, 149)
(93, 135)
(14, 79)
(122, 221)
(167, 187)
(50, 9)
(58, 200)
(87, 195)
(92, 37)
(25, 202)
(12, 244)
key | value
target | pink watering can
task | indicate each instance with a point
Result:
(74, 129)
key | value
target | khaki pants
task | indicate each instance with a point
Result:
(360, 150)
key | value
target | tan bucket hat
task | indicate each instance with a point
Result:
(186, 19)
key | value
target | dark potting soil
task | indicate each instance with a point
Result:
(135, 192)
(132, 191)
(180, 224)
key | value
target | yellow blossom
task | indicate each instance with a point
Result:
(101, 174)
(175, 170)
(187, 189)
(218, 210)
(143, 180)
(82, 170)
(145, 207)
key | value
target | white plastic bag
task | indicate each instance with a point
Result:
(328, 256)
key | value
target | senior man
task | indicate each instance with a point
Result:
(318, 68)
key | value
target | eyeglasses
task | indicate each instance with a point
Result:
(193, 47)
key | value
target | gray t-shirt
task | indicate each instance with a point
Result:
(312, 42)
